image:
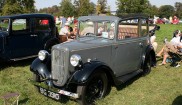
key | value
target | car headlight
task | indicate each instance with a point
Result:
(42, 55)
(75, 60)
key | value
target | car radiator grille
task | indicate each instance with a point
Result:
(59, 66)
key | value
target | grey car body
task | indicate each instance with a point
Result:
(103, 59)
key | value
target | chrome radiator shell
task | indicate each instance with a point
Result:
(60, 62)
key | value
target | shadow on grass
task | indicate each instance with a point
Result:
(26, 62)
(63, 100)
(129, 82)
(24, 101)
(177, 101)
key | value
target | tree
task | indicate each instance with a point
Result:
(27, 5)
(151, 10)
(84, 7)
(101, 7)
(178, 8)
(18, 6)
(166, 11)
(131, 6)
(108, 10)
(9, 9)
(67, 8)
(1, 6)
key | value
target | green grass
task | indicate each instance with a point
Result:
(163, 86)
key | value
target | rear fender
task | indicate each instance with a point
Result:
(149, 52)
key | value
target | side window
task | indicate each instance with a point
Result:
(106, 29)
(144, 29)
(4, 25)
(20, 25)
(42, 24)
(128, 29)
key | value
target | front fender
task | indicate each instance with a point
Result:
(41, 68)
(82, 76)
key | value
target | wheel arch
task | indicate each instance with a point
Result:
(82, 76)
(149, 52)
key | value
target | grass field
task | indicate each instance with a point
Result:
(163, 86)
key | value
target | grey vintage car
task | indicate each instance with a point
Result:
(108, 51)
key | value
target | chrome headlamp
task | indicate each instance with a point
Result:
(75, 60)
(42, 55)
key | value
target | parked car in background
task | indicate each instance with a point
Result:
(108, 51)
(160, 21)
(151, 21)
(22, 36)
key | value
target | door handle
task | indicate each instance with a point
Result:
(141, 44)
(33, 35)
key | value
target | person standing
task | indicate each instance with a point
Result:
(64, 33)
(63, 21)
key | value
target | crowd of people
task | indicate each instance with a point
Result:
(171, 20)
(170, 48)
(67, 32)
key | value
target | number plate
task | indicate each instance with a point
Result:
(49, 93)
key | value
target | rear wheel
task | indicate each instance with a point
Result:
(96, 88)
(147, 65)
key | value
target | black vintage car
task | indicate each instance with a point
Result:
(22, 36)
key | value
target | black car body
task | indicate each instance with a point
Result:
(22, 36)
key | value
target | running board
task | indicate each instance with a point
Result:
(23, 58)
(127, 77)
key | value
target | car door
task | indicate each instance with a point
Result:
(21, 42)
(42, 31)
(129, 48)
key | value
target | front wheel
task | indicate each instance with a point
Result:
(96, 88)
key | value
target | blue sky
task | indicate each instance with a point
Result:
(48, 3)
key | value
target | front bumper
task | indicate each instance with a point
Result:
(52, 92)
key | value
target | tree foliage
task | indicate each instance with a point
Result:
(131, 6)
(18, 6)
(101, 7)
(66, 8)
(178, 8)
(54, 10)
(84, 7)
(166, 11)
(151, 10)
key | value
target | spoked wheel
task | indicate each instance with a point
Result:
(147, 65)
(96, 88)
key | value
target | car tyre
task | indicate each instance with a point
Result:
(147, 65)
(96, 88)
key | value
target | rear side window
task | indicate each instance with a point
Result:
(20, 24)
(128, 29)
(42, 24)
(144, 25)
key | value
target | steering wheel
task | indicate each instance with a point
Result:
(87, 34)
